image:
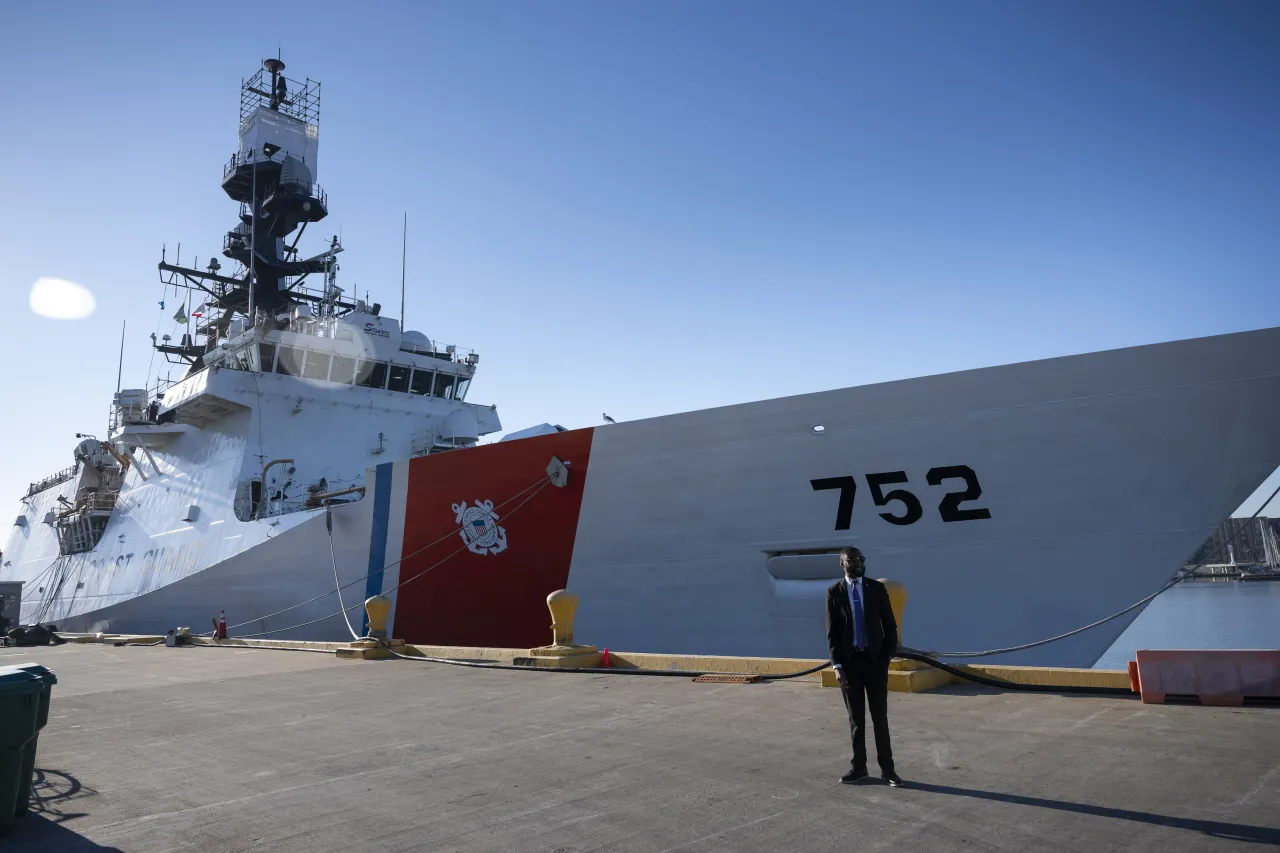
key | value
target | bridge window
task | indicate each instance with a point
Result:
(444, 385)
(399, 378)
(266, 357)
(460, 392)
(317, 365)
(289, 361)
(343, 370)
(421, 383)
(373, 374)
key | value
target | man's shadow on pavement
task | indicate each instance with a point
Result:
(1218, 829)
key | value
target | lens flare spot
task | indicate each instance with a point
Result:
(61, 300)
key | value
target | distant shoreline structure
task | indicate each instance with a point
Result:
(1241, 548)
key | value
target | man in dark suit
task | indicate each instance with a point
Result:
(862, 636)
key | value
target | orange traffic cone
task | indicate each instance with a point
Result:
(222, 626)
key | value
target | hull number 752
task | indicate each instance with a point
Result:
(906, 507)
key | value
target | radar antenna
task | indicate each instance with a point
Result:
(279, 90)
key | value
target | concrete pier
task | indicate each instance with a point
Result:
(238, 749)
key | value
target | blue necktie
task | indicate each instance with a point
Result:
(859, 631)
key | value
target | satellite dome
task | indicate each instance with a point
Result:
(415, 342)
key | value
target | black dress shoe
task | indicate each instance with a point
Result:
(893, 779)
(853, 776)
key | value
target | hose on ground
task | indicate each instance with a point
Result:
(785, 675)
(959, 673)
(988, 681)
(594, 670)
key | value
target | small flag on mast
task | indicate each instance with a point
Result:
(199, 312)
(180, 317)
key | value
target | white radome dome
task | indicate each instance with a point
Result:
(416, 337)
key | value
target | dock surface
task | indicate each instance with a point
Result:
(224, 749)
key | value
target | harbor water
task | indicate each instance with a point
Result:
(1203, 615)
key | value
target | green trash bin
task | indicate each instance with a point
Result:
(42, 719)
(19, 710)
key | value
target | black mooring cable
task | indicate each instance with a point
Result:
(1012, 685)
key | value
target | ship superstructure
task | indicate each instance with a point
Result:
(289, 391)
(285, 319)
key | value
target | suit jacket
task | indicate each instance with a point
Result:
(878, 622)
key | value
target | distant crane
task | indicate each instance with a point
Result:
(608, 419)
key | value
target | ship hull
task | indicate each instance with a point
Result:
(1015, 503)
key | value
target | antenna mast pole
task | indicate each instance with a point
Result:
(404, 250)
(120, 368)
(253, 238)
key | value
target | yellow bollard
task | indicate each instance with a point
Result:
(563, 651)
(897, 600)
(564, 609)
(379, 608)
(372, 646)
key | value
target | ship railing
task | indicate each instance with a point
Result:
(248, 158)
(239, 159)
(52, 480)
(100, 501)
(103, 500)
(293, 187)
(235, 241)
(295, 284)
(434, 349)
(118, 416)
(303, 98)
(326, 328)
(122, 415)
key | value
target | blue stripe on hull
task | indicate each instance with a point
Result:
(378, 536)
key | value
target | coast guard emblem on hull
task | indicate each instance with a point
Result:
(478, 527)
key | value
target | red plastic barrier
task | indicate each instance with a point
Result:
(1217, 677)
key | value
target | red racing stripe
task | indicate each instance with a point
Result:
(481, 597)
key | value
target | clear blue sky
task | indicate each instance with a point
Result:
(648, 208)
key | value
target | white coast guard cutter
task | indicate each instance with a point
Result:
(1014, 502)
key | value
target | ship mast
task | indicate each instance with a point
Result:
(272, 175)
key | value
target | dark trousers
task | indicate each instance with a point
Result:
(866, 674)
